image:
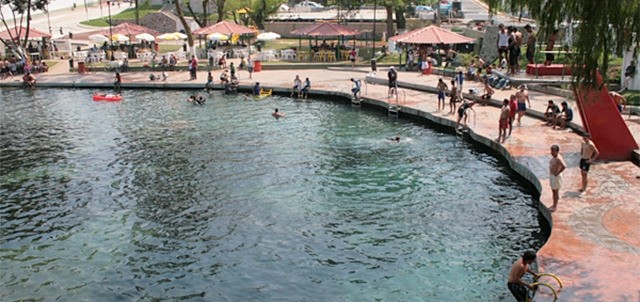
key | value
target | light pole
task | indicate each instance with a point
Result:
(49, 20)
(110, 29)
(373, 46)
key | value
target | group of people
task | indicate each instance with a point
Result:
(9, 68)
(300, 89)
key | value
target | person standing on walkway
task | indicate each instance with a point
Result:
(522, 95)
(503, 123)
(550, 45)
(453, 96)
(531, 44)
(556, 167)
(588, 153)
(193, 67)
(517, 287)
(392, 75)
(442, 87)
(513, 108)
(503, 42)
(118, 83)
(232, 70)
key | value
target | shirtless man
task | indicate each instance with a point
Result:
(550, 45)
(588, 153)
(277, 114)
(518, 43)
(517, 287)
(503, 123)
(442, 88)
(453, 94)
(618, 99)
(522, 95)
(556, 166)
(531, 44)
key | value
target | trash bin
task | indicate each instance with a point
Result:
(374, 65)
(81, 68)
(71, 63)
(257, 66)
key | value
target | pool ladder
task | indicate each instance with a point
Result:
(394, 107)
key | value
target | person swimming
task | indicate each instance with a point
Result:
(277, 114)
(394, 138)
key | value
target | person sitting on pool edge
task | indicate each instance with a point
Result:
(305, 88)
(356, 87)
(29, 80)
(277, 114)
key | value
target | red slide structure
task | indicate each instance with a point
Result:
(603, 121)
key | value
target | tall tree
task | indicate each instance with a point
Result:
(220, 9)
(20, 7)
(187, 29)
(604, 28)
(203, 20)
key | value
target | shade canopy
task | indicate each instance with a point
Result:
(130, 30)
(325, 30)
(217, 37)
(172, 36)
(98, 38)
(268, 36)
(119, 38)
(432, 35)
(225, 28)
(22, 32)
(146, 37)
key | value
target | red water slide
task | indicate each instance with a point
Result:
(603, 121)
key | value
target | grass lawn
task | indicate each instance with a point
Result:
(126, 14)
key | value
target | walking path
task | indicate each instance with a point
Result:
(595, 241)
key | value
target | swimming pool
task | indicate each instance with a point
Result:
(154, 198)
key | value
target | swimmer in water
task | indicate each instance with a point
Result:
(394, 139)
(277, 114)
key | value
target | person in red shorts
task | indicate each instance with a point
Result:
(503, 123)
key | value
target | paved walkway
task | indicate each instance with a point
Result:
(595, 241)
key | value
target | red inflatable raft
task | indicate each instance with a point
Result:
(107, 97)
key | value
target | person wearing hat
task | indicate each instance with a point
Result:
(393, 81)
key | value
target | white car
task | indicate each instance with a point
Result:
(309, 4)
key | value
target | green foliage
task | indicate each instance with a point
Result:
(21, 6)
(100, 22)
(127, 14)
(604, 27)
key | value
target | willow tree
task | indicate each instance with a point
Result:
(604, 28)
(19, 8)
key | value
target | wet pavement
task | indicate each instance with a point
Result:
(595, 241)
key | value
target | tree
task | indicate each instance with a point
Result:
(261, 9)
(604, 28)
(202, 21)
(187, 29)
(20, 7)
(220, 9)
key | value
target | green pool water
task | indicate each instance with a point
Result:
(155, 199)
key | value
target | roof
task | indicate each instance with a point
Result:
(33, 33)
(432, 35)
(225, 28)
(325, 30)
(129, 29)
